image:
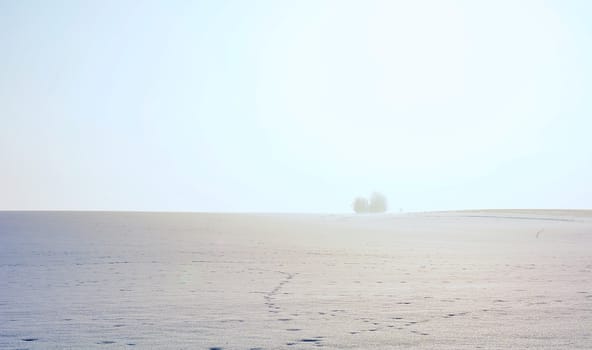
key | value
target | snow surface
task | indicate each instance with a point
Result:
(450, 280)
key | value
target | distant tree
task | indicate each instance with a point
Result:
(377, 203)
(360, 205)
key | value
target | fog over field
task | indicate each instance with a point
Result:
(263, 174)
(295, 106)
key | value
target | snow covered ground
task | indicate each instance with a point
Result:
(442, 280)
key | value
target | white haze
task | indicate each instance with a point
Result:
(295, 106)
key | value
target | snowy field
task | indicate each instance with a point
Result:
(440, 280)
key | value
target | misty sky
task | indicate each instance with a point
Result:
(295, 105)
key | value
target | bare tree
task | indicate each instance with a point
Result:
(377, 203)
(360, 205)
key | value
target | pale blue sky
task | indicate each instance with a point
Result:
(295, 105)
